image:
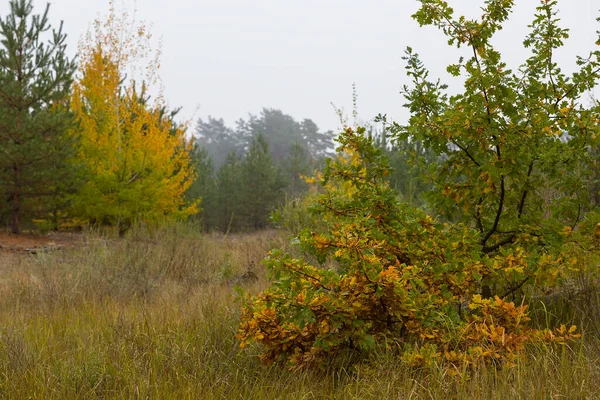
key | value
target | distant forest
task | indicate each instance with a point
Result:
(243, 172)
(246, 171)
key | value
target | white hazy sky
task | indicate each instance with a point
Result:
(228, 58)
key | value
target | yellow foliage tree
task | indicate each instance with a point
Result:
(136, 159)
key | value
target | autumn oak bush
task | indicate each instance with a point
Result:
(512, 193)
(401, 278)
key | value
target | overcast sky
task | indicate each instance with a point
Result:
(228, 58)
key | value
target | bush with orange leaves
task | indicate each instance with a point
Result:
(387, 274)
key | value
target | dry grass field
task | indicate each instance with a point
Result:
(154, 316)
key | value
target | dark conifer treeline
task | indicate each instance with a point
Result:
(243, 173)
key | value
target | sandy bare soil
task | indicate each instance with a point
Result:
(31, 243)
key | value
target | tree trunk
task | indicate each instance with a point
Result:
(14, 223)
(16, 201)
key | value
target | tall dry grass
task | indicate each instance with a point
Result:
(153, 316)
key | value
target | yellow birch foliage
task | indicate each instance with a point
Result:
(136, 159)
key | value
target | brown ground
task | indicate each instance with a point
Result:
(31, 243)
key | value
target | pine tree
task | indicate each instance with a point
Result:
(35, 80)
(218, 139)
(262, 184)
(204, 187)
(297, 166)
(229, 197)
(319, 144)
